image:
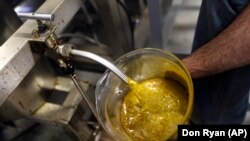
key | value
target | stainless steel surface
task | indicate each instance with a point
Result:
(179, 28)
(16, 58)
(30, 87)
(42, 95)
(103, 61)
(155, 23)
(116, 27)
(169, 21)
(30, 94)
(49, 99)
(142, 31)
(62, 103)
(36, 16)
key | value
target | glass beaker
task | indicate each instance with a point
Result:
(139, 65)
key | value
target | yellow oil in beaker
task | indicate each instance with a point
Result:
(153, 108)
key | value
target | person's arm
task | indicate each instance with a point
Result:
(230, 49)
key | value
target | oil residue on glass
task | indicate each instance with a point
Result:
(153, 108)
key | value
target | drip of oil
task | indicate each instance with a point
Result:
(153, 108)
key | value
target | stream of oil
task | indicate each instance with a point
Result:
(153, 108)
